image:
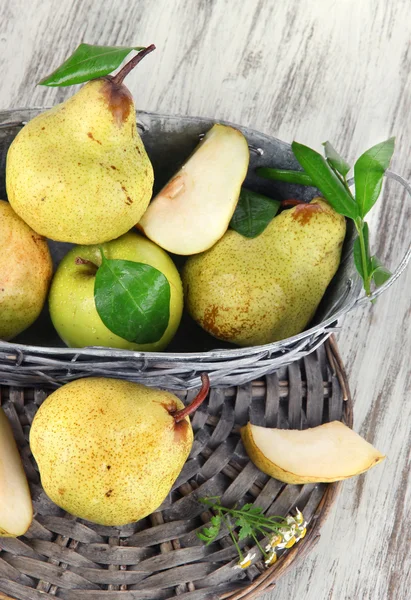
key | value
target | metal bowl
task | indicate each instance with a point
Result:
(37, 356)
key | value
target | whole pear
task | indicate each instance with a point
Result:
(260, 290)
(108, 450)
(25, 273)
(79, 171)
(71, 299)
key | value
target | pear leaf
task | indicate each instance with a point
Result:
(369, 174)
(285, 175)
(253, 213)
(379, 273)
(325, 180)
(132, 299)
(335, 159)
(88, 62)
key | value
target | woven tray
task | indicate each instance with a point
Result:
(160, 556)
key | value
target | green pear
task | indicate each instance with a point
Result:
(16, 511)
(329, 452)
(25, 273)
(71, 299)
(260, 290)
(205, 190)
(108, 450)
(79, 171)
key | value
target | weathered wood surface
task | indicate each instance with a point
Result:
(312, 70)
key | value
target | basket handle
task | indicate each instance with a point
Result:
(405, 260)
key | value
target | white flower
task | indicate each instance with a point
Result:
(299, 517)
(245, 562)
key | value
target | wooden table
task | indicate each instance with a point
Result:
(311, 70)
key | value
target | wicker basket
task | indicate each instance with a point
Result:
(160, 556)
(38, 358)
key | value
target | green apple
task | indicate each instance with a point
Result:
(71, 300)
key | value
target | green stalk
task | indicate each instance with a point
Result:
(367, 283)
(227, 522)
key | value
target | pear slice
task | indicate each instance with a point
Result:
(192, 212)
(16, 511)
(326, 453)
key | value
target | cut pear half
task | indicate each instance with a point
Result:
(329, 452)
(193, 211)
(16, 511)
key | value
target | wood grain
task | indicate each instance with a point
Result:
(312, 70)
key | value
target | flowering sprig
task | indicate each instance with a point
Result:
(250, 521)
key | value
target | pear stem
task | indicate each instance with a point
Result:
(291, 202)
(202, 394)
(118, 79)
(83, 261)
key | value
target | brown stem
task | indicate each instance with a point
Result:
(118, 79)
(291, 202)
(83, 261)
(202, 394)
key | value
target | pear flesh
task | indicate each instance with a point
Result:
(194, 209)
(25, 273)
(16, 510)
(260, 290)
(329, 452)
(71, 299)
(79, 171)
(109, 450)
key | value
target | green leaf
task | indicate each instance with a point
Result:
(335, 159)
(298, 177)
(325, 180)
(245, 528)
(253, 213)
(379, 273)
(369, 173)
(88, 62)
(133, 300)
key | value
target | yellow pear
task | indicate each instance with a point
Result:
(25, 273)
(108, 450)
(71, 299)
(16, 511)
(264, 289)
(204, 191)
(79, 171)
(326, 453)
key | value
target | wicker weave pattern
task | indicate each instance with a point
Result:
(160, 556)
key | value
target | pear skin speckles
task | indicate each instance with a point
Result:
(108, 450)
(257, 291)
(25, 273)
(60, 177)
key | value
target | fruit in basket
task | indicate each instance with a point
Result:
(108, 450)
(79, 171)
(16, 511)
(264, 289)
(71, 299)
(25, 273)
(194, 209)
(329, 452)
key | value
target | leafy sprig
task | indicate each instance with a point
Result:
(329, 175)
(249, 521)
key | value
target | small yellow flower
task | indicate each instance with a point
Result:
(272, 558)
(290, 542)
(301, 533)
(245, 562)
(274, 541)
